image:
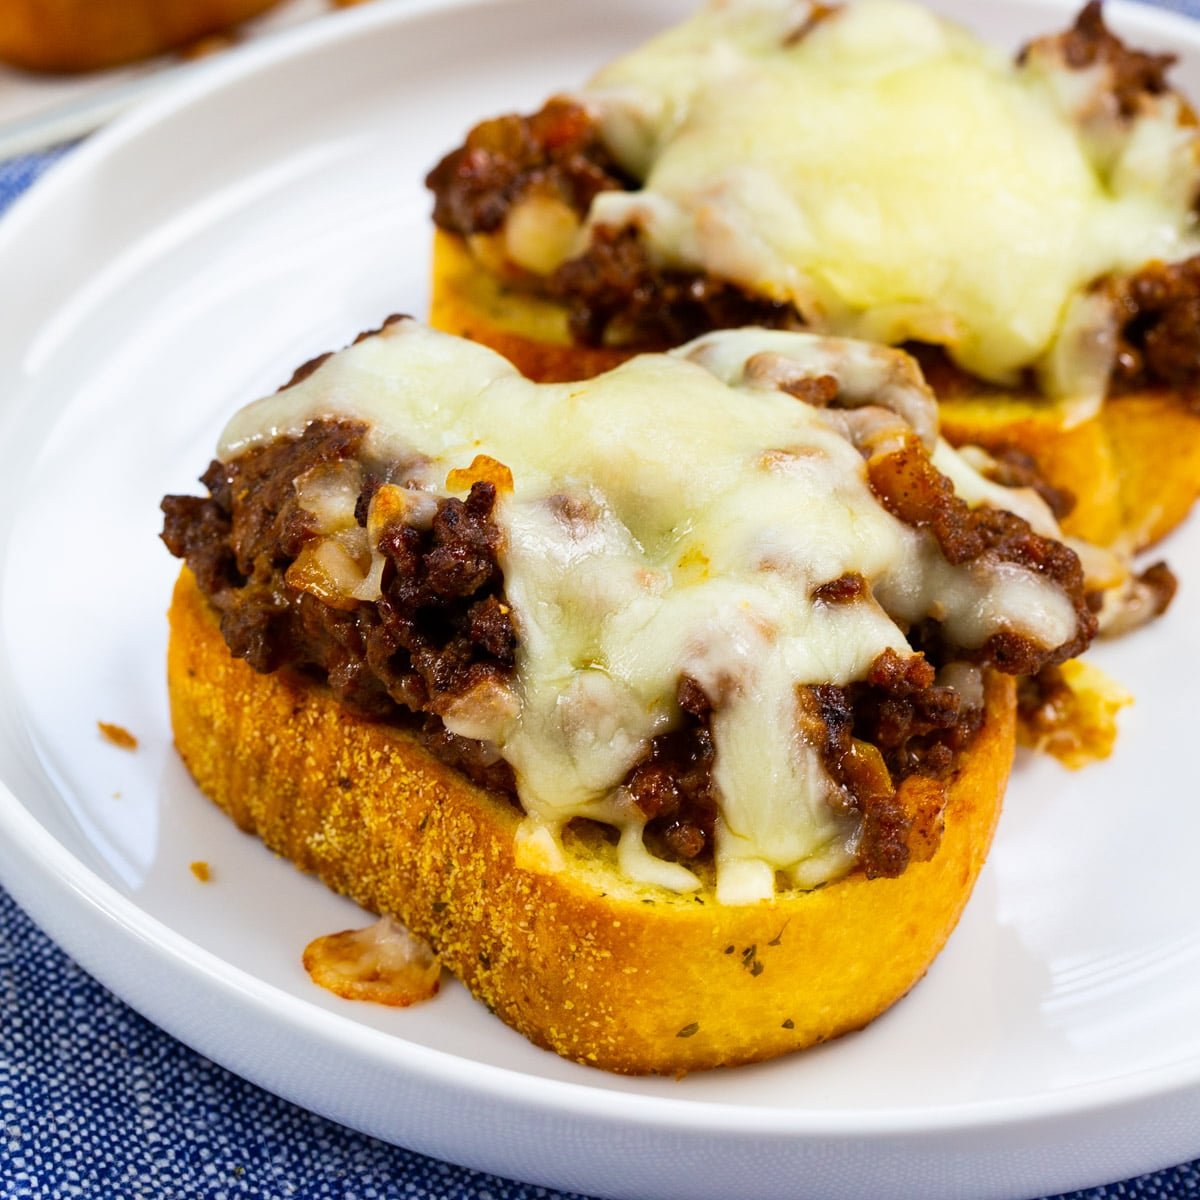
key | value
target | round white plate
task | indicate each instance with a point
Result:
(182, 263)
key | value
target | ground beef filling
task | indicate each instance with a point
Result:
(616, 295)
(440, 628)
(1015, 468)
(1089, 42)
(888, 743)
(1159, 340)
(556, 152)
(913, 490)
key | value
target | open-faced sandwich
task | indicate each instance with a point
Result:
(673, 707)
(1026, 227)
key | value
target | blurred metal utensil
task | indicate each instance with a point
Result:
(72, 119)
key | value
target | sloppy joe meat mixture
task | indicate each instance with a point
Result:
(439, 627)
(615, 294)
(1089, 42)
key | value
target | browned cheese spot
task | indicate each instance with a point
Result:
(384, 963)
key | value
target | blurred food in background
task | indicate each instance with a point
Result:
(64, 36)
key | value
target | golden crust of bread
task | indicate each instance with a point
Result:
(626, 977)
(1134, 468)
(529, 331)
(82, 35)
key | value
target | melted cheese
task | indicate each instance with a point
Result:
(671, 517)
(385, 963)
(896, 179)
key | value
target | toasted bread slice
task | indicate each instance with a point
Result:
(627, 977)
(1134, 468)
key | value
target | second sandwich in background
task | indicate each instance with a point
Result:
(1026, 228)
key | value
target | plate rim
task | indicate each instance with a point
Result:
(20, 829)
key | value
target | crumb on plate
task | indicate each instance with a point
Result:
(118, 735)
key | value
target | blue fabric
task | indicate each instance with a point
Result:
(18, 173)
(137, 1116)
(141, 1117)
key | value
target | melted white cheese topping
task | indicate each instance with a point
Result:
(671, 517)
(896, 179)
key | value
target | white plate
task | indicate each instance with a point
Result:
(184, 262)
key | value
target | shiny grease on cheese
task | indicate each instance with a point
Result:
(896, 179)
(671, 517)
